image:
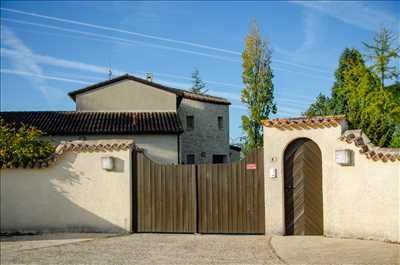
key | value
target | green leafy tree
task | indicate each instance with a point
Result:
(23, 145)
(383, 108)
(321, 107)
(395, 143)
(359, 82)
(350, 58)
(382, 54)
(356, 94)
(258, 92)
(198, 84)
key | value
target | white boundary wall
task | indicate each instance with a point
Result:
(73, 195)
(359, 201)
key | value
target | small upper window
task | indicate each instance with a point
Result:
(189, 122)
(220, 122)
(190, 159)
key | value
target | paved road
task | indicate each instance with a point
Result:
(193, 249)
(322, 250)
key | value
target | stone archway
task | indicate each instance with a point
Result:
(303, 188)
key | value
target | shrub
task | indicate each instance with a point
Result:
(22, 146)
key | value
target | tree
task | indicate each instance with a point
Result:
(258, 92)
(198, 84)
(356, 94)
(321, 107)
(22, 146)
(350, 58)
(381, 53)
(395, 143)
(383, 108)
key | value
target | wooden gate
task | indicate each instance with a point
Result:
(165, 198)
(303, 188)
(211, 198)
(231, 196)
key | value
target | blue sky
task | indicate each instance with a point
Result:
(51, 48)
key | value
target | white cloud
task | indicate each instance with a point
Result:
(358, 14)
(23, 61)
(42, 77)
(310, 41)
(159, 38)
(310, 32)
(48, 60)
(124, 41)
(234, 59)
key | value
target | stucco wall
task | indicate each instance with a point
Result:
(126, 95)
(358, 201)
(162, 148)
(74, 194)
(206, 136)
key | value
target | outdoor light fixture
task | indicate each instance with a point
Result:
(273, 172)
(343, 157)
(107, 163)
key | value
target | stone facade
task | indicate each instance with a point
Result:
(207, 138)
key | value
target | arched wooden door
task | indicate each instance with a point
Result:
(303, 188)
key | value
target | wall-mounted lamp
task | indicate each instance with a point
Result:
(273, 172)
(344, 157)
(107, 163)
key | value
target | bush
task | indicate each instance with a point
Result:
(22, 146)
(396, 140)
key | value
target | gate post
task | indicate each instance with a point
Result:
(196, 199)
(134, 168)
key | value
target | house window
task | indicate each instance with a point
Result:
(189, 122)
(190, 159)
(219, 159)
(220, 122)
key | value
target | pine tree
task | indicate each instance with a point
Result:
(381, 54)
(258, 92)
(198, 84)
(321, 107)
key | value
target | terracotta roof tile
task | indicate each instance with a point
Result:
(370, 150)
(79, 147)
(304, 122)
(96, 123)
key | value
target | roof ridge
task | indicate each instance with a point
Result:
(177, 91)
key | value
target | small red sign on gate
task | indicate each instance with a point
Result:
(251, 166)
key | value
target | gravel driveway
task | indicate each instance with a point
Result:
(137, 249)
(146, 249)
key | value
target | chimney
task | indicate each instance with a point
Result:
(149, 77)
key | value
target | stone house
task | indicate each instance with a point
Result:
(171, 125)
(234, 153)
